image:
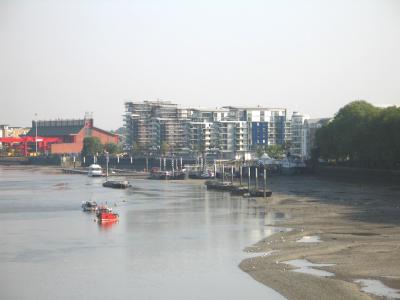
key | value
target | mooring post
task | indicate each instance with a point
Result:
(241, 174)
(248, 179)
(107, 161)
(265, 182)
(256, 175)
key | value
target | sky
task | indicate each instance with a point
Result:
(62, 58)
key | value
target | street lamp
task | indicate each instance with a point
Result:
(36, 134)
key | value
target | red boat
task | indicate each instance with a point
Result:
(105, 214)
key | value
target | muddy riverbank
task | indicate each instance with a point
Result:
(354, 227)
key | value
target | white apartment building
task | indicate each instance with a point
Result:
(297, 140)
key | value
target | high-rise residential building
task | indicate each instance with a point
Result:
(149, 124)
(232, 131)
(231, 138)
(266, 126)
(203, 129)
(201, 136)
(297, 142)
(141, 128)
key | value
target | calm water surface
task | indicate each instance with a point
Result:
(173, 241)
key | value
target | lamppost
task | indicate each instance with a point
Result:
(36, 150)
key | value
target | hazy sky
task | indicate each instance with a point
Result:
(62, 58)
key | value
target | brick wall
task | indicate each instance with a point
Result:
(77, 146)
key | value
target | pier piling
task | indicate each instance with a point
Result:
(265, 182)
(256, 177)
(248, 178)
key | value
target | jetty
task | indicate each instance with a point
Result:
(236, 190)
(239, 189)
(75, 171)
(113, 172)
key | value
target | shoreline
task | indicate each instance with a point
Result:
(358, 226)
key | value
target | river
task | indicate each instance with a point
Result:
(174, 240)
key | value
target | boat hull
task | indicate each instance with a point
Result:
(107, 217)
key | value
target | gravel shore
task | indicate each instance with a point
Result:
(358, 227)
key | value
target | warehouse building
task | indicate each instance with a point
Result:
(70, 133)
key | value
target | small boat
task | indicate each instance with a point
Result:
(95, 170)
(116, 184)
(105, 214)
(89, 206)
(161, 175)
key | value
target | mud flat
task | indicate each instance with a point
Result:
(350, 230)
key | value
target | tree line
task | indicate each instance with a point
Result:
(93, 146)
(361, 135)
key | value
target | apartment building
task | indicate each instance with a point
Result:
(266, 126)
(231, 130)
(149, 124)
(297, 141)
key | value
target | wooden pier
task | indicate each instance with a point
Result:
(124, 173)
(236, 189)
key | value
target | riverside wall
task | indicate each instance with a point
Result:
(358, 174)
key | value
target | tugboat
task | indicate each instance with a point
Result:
(89, 206)
(105, 214)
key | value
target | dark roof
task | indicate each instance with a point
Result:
(54, 131)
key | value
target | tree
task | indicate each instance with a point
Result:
(259, 151)
(136, 148)
(275, 151)
(361, 135)
(92, 146)
(164, 148)
(112, 148)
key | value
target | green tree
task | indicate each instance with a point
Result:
(92, 146)
(361, 135)
(112, 148)
(136, 148)
(274, 151)
(259, 151)
(164, 148)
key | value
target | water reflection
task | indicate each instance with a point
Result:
(104, 226)
(172, 241)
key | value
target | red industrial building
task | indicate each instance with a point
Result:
(69, 134)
